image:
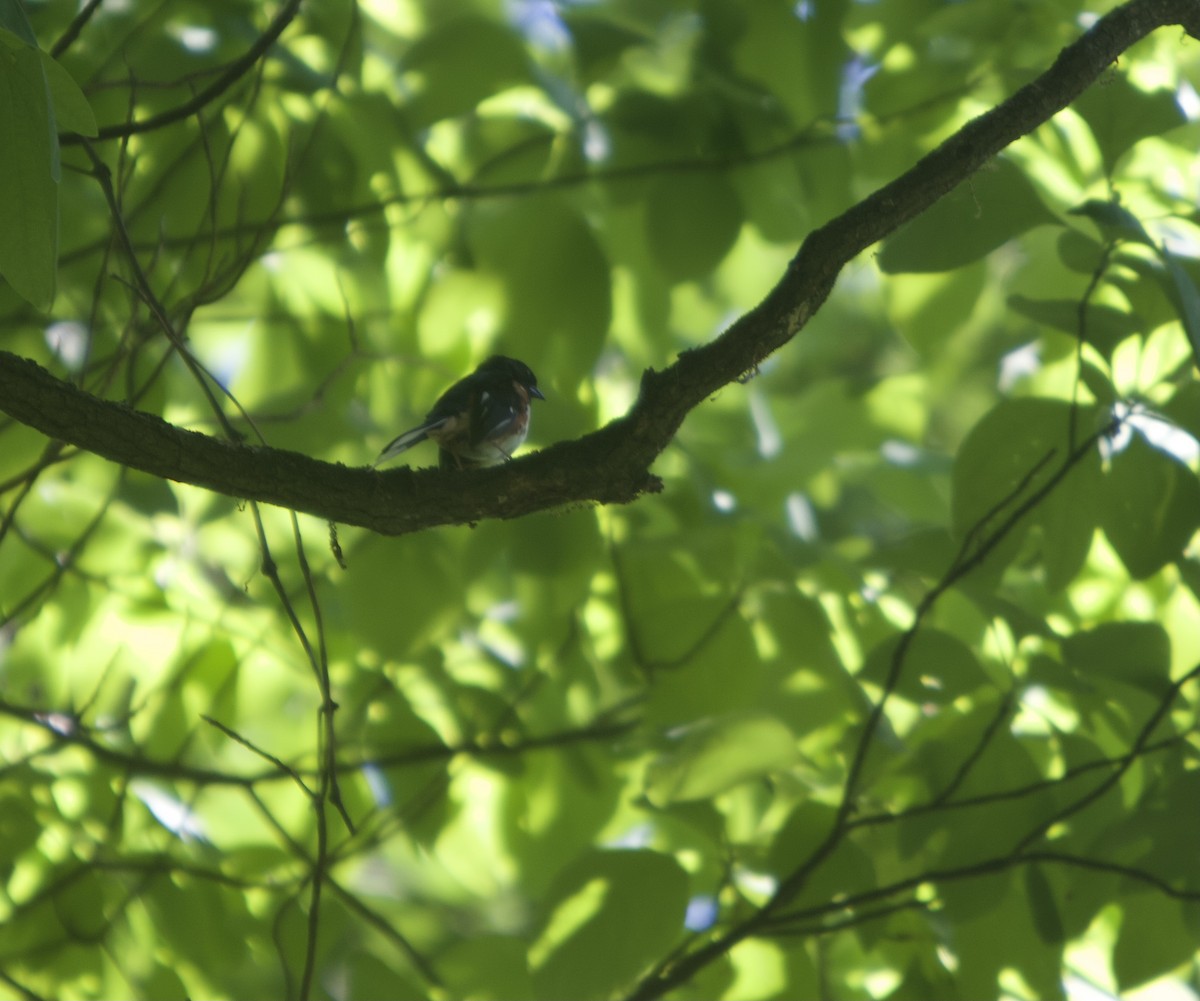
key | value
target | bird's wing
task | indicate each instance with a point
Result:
(491, 413)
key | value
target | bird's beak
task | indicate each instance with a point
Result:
(534, 391)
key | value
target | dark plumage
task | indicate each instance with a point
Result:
(480, 420)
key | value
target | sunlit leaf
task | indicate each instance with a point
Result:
(1120, 113)
(1154, 939)
(1149, 508)
(718, 754)
(459, 63)
(613, 913)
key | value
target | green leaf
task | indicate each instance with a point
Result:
(13, 19)
(1098, 384)
(691, 224)
(599, 36)
(847, 869)
(1006, 458)
(937, 668)
(72, 112)
(1080, 252)
(1154, 939)
(449, 70)
(1183, 409)
(1069, 515)
(997, 204)
(1105, 326)
(1136, 653)
(19, 827)
(1188, 300)
(1046, 918)
(1149, 508)
(1119, 114)
(1115, 221)
(797, 59)
(81, 903)
(993, 931)
(945, 745)
(611, 915)
(715, 755)
(28, 169)
(214, 934)
(1145, 283)
(487, 967)
(555, 275)
(774, 200)
(807, 827)
(721, 675)
(164, 981)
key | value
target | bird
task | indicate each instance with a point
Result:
(480, 420)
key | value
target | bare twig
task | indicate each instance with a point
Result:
(234, 72)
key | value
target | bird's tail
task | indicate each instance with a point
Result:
(402, 443)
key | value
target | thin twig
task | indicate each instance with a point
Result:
(234, 72)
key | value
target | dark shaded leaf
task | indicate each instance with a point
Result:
(1105, 326)
(937, 667)
(691, 224)
(1046, 918)
(1149, 508)
(994, 206)
(1115, 221)
(1136, 653)
(28, 174)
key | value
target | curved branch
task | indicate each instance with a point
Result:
(611, 465)
(600, 467)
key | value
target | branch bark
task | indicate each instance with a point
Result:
(611, 465)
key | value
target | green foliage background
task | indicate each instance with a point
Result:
(890, 693)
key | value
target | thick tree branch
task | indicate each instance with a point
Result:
(598, 467)
(612, 464)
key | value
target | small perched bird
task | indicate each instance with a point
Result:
(480, 420)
